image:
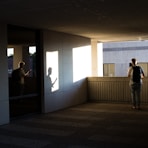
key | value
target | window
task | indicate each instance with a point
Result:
(109, 70)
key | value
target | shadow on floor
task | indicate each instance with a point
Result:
(91, 125)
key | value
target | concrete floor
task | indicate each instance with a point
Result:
(91, 125)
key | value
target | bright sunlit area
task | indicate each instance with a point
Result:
(32, 50)
(81, 62)
(10, 52)
(52, 70)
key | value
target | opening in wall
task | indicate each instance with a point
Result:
(24, 94)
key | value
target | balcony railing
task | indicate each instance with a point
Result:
(113, 89)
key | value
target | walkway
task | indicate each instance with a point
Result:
(91, 125)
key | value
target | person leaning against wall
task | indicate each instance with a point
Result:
(136, 74)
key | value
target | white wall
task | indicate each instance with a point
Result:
(68, 93)
(4, 100)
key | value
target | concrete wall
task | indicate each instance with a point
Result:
(4, 100)
(113, 90)
(68, 93)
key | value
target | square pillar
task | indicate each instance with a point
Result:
(17, 57)
(97, 58)
(4, 98)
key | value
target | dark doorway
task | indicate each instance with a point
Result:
(24, 46)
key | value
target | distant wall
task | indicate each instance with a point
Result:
(120, 53)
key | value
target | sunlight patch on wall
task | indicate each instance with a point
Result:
(52, 71)
(81, 62)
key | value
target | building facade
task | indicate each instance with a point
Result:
(117, 56)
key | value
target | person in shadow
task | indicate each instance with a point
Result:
(18, 76)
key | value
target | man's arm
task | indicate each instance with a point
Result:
(142, 73)
(129, 72)
(27, 73)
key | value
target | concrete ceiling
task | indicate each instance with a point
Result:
(103, 20)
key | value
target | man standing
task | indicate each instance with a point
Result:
(136, 74)
(18, 76)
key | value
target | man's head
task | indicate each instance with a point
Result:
(134, 61)
(21, 64)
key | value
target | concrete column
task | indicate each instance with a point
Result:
(17, 57)
(100, 59)
(25, 57)
(21, 53)
(94, 57)
(97, 58)
(4, 98)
